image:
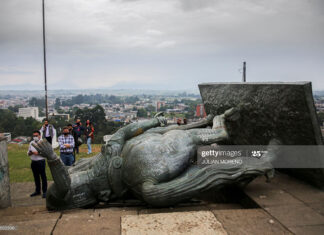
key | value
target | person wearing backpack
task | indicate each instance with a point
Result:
(78, 130)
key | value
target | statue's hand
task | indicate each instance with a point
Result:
(160, 117)
(210, 118)
(162, 121)
(45, 149)
(159, 114)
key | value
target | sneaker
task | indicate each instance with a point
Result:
(34, 194)
(44, 195)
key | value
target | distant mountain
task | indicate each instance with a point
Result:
(73, 92)
(319, 93)
(25, 86)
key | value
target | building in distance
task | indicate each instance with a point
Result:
(200, 111)
(28, 112)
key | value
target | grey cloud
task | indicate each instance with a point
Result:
(191, 5)
(179, 41)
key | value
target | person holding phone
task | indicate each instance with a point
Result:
(47, 131)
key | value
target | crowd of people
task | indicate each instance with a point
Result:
(69, 142)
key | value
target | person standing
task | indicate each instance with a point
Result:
(47, 131)
(89, 134)
(70, 126)
(38, 166)
(66, 143)
(78, 130)
(70, 129)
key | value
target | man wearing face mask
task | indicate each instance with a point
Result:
(66, 143)
(48, 131)
(38, 165)
(70, 126)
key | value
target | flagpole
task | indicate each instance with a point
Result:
(44, 53)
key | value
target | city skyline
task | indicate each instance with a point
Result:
(160, 45)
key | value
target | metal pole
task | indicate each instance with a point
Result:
(244, 71)
(44, 50)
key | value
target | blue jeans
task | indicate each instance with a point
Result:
(89, 144)
(67, 158)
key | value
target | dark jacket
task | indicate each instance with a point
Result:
(88, 130)
(78, 130)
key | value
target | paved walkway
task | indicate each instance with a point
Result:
(284, 206)
(299, 207)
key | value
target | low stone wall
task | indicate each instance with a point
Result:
(4, 175)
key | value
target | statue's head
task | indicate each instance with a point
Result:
(74, 198)
(55, 200)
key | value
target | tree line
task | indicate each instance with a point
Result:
(19, 126)
(95, 99)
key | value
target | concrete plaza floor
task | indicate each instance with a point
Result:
(283, 206)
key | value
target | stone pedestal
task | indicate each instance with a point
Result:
(269, 110)
(4, 175)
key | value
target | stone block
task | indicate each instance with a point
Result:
(269, 110)
(198, 222)
(249, 221)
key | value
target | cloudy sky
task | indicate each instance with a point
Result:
(160, 44)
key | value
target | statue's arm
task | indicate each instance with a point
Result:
(217, 134)
(135, 129)
(200, 124)
(138, 128)
(117, 141)
(59, 172)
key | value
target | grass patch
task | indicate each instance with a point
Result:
(19, 161)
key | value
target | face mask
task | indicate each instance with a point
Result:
(36, 138)
(78, 123)
(65, 133)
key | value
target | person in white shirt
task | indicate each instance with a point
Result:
(38, 165)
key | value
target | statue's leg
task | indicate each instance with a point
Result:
(199, 178)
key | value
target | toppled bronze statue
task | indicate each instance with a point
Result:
(153, 161)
